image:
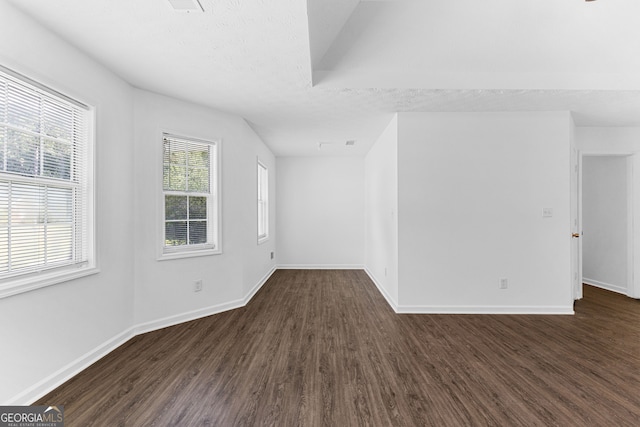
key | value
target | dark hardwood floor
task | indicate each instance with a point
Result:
(323, 348)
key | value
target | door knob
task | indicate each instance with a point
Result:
(576, 235)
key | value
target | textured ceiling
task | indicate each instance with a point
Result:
(258, 59)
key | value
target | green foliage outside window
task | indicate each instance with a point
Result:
(186, 181)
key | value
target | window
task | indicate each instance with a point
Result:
(190, 204)
(45, 187)
(263, 203)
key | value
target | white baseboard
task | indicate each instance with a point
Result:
(154, 325)
(321, 266)
(258, 285)
(423, 309)
(46, 385)
(608, 286)
(393, 304)
(471, 309)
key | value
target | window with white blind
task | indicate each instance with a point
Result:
(45, 187)
(263, 203)
(190, 197)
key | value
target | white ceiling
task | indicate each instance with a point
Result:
(328, 71)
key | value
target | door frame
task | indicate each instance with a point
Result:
(633, 215)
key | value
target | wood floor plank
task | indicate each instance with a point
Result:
(323, 348)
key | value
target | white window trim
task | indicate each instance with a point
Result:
(264, 238)
(215, 220)
(37, 280)
(26, 284)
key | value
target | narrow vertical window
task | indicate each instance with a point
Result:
(263, 203)
(45, 187)
(190, 205)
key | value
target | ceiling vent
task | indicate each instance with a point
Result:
(336, 145)
(186, 6)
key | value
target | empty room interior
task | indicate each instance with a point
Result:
(321, 212)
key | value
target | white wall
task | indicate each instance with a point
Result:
(320, 212)
(472, 187)
(46, 333)
(604, 221)
(381, 198)
(164, 289)
(608, 140)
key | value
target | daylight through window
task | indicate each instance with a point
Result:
(44, 185)
(189, 198)
(263, 203)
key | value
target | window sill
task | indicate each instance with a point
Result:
(188, 254)
(26, 284)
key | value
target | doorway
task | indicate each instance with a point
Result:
(606, 217)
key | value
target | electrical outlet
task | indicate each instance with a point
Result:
(272, 254)
(504, 283)
(197, 286)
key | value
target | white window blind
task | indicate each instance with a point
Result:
(44, 187)
(189, 198)
(263, 202)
